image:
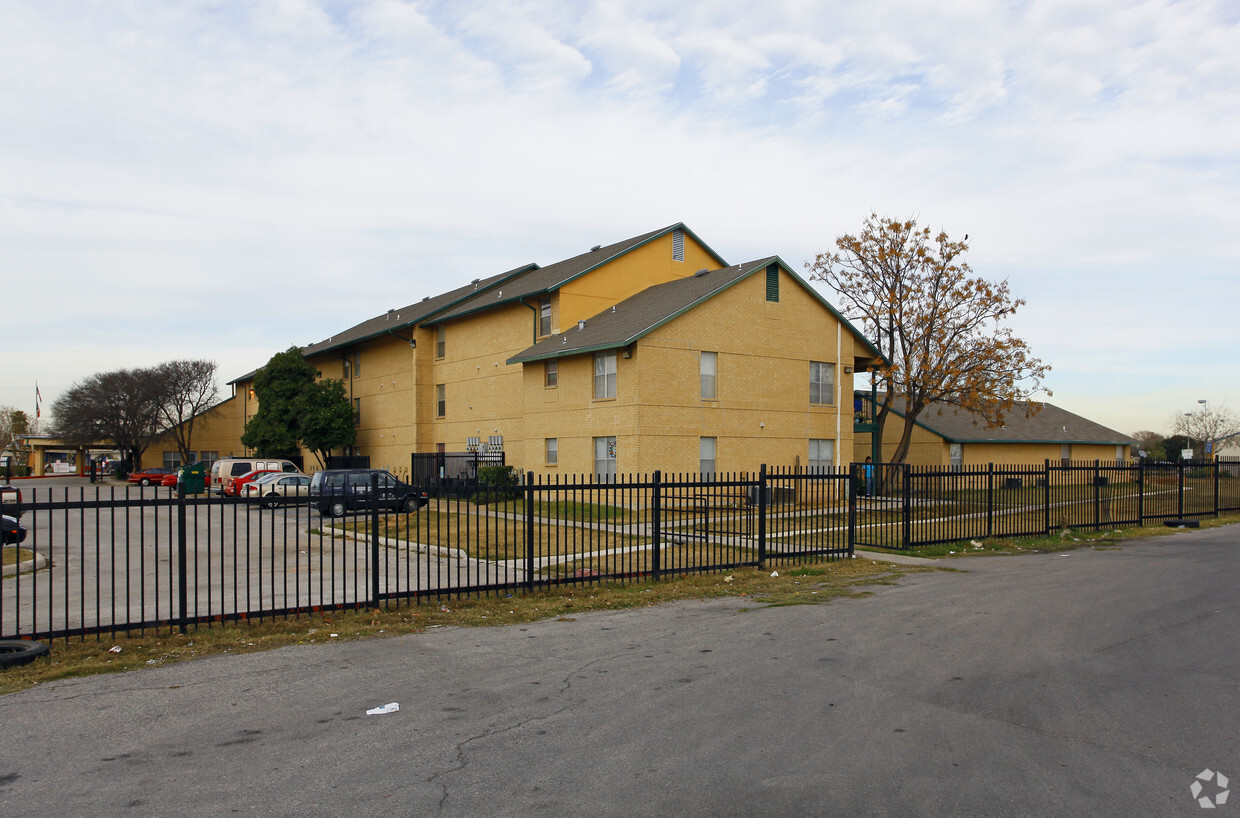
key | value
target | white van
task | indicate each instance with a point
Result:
(224, 470)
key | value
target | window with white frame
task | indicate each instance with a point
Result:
(441, 341)
(605, 374)
(544, 317)
(551, 372)
(553, 451)
(821, 458)
(707, 447)
(821, 383)
(709, 367)
(441, 400)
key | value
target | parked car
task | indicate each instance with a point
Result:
(338, 491)
(150, 477)
(223, 469)
(270, 488)
(12, 532)
(11, 501)
(170, 480)
(235, 487)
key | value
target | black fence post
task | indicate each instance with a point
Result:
(656, 524)
(1180, 493)
(852, 509)
(374, 539)
(1097, 494)
(1141, 491)
(906, 532)
(182, 568)
(1046, 496)
(529, 530)
(762, 516)
(990, 499)
(1214, 466)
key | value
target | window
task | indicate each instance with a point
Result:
(357, 362)
(172, 460)
(550, 373)
(357, 411)
(544, 317)
(678, 245)
(441, 343)
(706, 456)
(605, 374)
(772, 282)
(709, 364)
(441, 400)
(207, 458)
(821, 456)
(821, 383)
(553, 451)
(605, 459)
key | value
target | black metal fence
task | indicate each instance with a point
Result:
(110, 559)
(103, 560)
(450, 474)
(901, 506)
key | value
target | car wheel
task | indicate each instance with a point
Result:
(145, 481)
(272, 500)
(337, 509)
(411, 505)
(20, 651)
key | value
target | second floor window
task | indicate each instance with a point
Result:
(441, 341)
(605, 374)
(821, 383)
(544, 317)
(441, 400)
(550, 373)
(709, 365)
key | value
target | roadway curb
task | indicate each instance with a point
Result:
(903, 559)
(25, 565)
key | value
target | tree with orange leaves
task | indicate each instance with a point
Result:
(938, 326)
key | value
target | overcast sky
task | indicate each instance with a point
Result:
(225, 179)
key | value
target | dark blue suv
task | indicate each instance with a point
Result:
(336, 492)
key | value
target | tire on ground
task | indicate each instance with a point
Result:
(15, 652)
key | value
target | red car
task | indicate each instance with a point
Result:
(235, 487)
(169, 480)
(150, 477)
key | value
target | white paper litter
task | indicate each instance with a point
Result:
(774, 573)
(114, 649)
(387, 708)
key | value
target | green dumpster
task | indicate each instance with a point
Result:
(194, 478)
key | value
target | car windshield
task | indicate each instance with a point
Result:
(267, 478)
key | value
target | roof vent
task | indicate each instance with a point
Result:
(499, 294)
(581, 325)
(596, 247)
(426, 298)
(701, 273)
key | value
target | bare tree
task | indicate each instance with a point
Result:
(1207, 429)
(120, 406)
(938, 327)
(187, 389)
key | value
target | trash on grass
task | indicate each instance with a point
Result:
(114, 649)
(391, 707)
(774, 573)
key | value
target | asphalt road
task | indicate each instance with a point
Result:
(1096, 682)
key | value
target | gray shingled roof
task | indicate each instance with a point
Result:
(1050, 425)
(652, 308)
(550, 278)
(405, 317)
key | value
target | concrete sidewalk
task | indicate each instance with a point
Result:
(902, 559)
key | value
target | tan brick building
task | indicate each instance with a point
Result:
(650, 353)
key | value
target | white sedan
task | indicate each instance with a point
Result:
(271, 489)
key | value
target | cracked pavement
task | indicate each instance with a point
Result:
(1098, 681)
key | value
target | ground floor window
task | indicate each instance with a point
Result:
(553, 451)
(172, 460)
(706, 456)
(821, 458)
(605, 459)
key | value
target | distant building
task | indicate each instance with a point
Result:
(947, 435)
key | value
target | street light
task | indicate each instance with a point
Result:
(1188, 437)
(1205, 427)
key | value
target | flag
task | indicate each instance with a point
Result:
(37, 398)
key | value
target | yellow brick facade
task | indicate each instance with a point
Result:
(761, 413)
